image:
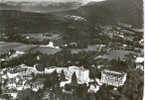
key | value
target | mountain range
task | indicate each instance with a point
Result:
(105, 12)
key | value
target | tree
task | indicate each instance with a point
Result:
(91, 74)
(28, 94)
(55, 78)
(48, 82)
(54, 74)
(130, 61)
(103, 93)
(0, 88)
(82, 91)
(62, 76)
(74, 79)
(133, 86)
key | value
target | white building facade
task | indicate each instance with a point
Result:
(113, 78)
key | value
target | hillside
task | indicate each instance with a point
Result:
(107, 12)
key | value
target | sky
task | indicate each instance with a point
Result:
(56, 1)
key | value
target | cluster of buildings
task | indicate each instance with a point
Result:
(14, 80)
(21, 77)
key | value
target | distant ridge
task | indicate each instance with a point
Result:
(107, 12)
(126, 11)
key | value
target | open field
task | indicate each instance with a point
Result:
(115, 54)
(42, 36)
(5, 46)
(45, 50)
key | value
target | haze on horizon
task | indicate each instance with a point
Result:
(54, 1)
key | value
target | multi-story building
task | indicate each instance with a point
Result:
(113, 78)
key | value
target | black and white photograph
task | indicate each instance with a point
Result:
(71, 50)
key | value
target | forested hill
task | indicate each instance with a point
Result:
(107, 12)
